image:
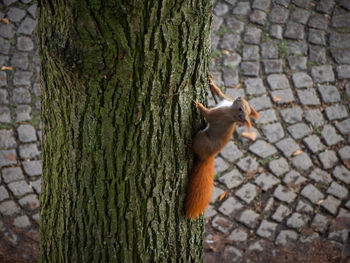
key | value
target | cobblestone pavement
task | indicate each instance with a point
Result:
(292, 59)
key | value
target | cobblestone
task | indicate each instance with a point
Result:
(278, 81)
(262, 149)
(231, 179)
(266, 229)
(320, 223)
(284, 194)
(322, 74)
(308, 97)
(231, 152)
(302, 80)
(297, 221)
(336, 112)
(238, 235)
(312, 193)
(299, 130)
(254, 86)
(230, 206)
(297, 63)
(273, 132)
(342, 174)
(294, 178)
(337, 190)
(279, 166)
(287, 146)
(247, 192)
(315, 117)
(267, 116)
(330, 136)
(286, 236)
(331, 204)
(328, 159)
(249, 218)
(266, 181)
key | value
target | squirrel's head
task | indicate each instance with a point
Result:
(242, 111)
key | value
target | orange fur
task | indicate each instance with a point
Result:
(200, 187)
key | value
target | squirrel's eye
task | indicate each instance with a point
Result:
(240, 109)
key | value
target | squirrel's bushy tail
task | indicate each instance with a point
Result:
(199, 187)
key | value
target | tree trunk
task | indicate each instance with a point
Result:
(118, 79)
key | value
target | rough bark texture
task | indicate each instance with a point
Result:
(118, 78)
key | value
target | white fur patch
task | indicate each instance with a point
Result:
(224, 103)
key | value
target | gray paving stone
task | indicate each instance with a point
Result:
(234, 25)
(249, 218)
(304, 208)
(234, 92)
(32, 168)
(276, 31)
(269, 205)
(331, 204)
(317, 37)
(315, 117)
(231, 153)
(278, 14)
(341, 173)
(329, 93)
(298, 48)
(230, 206)
(320, 223)
(222, 224)
(3, 193)
(238, 235)
(318, 21)
(22, 78)
(341, 20)
(345, 4)
(302, 80)
(330, 136)
(294, 178)
(260, 103)
(309, 237)
(24, 44)
(314, 143)
(300, 15)
(299, 130)
(344, 153)
(337, 190)
(261, 4)
(12, 174)
(266, 229)
(21, 95)
(267, 116)
(258, 17)
(262, 149)
(27, 26)
(15, 14)
(252, 35)
(273, 132)
(251, 52)
(292, 115)
(284, 194)
(21, 221)
(254, 86)
(250, 68)
(269, 50)
(339, 40)
(220, 9)
(320, 176)
(294, 31)
(37, 185)
(3, 96)
(336, 112)
(9, 208)
(32, 10)
(231, 77)
(29, 202)
(28, 151)
(281, 213)
(312, 193)
(233, 254)
(343, 72)
(5, 115)
(328, 159)
(266, 181)
(23, 113)
(7, 157)
(242, 8)
(4, 46)
(26, 133)
(297, 221)
(343, 213)
(273, 66)
(308, 97)
(286, 236)
(279, 167)
(19, 188)
(322, 74)
(297, 63)
(339, 236)
(325, 6)
(287, 146)
(20, 60)
(317, 54)
(231, 179)
(341, 55)
(230, 42)
(4, 60)
(220, 165)
(215, 194)
(7, 31)
(284, 3)
(3, 79)
(278, 81)
(7, 139)
(247, 193)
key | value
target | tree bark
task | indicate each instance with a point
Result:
(118, 79)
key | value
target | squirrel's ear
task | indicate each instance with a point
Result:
(253, 114)
(247, 124)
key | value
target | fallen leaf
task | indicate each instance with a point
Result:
(250, 174)
(260, 170)
(297, 152)
(222, 196)
(320, 202)
(276, 99)
(312, 4)
(32, 205)
(225, 52)
(250, 135)
(5, 21)
(6, 68)
(347, 163)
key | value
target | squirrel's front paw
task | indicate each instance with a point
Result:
(196, 104)
(211, 79)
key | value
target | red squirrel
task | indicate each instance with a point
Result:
(209, 142)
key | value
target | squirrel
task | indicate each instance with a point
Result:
(209, 142)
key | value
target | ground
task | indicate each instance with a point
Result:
(281, 198)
